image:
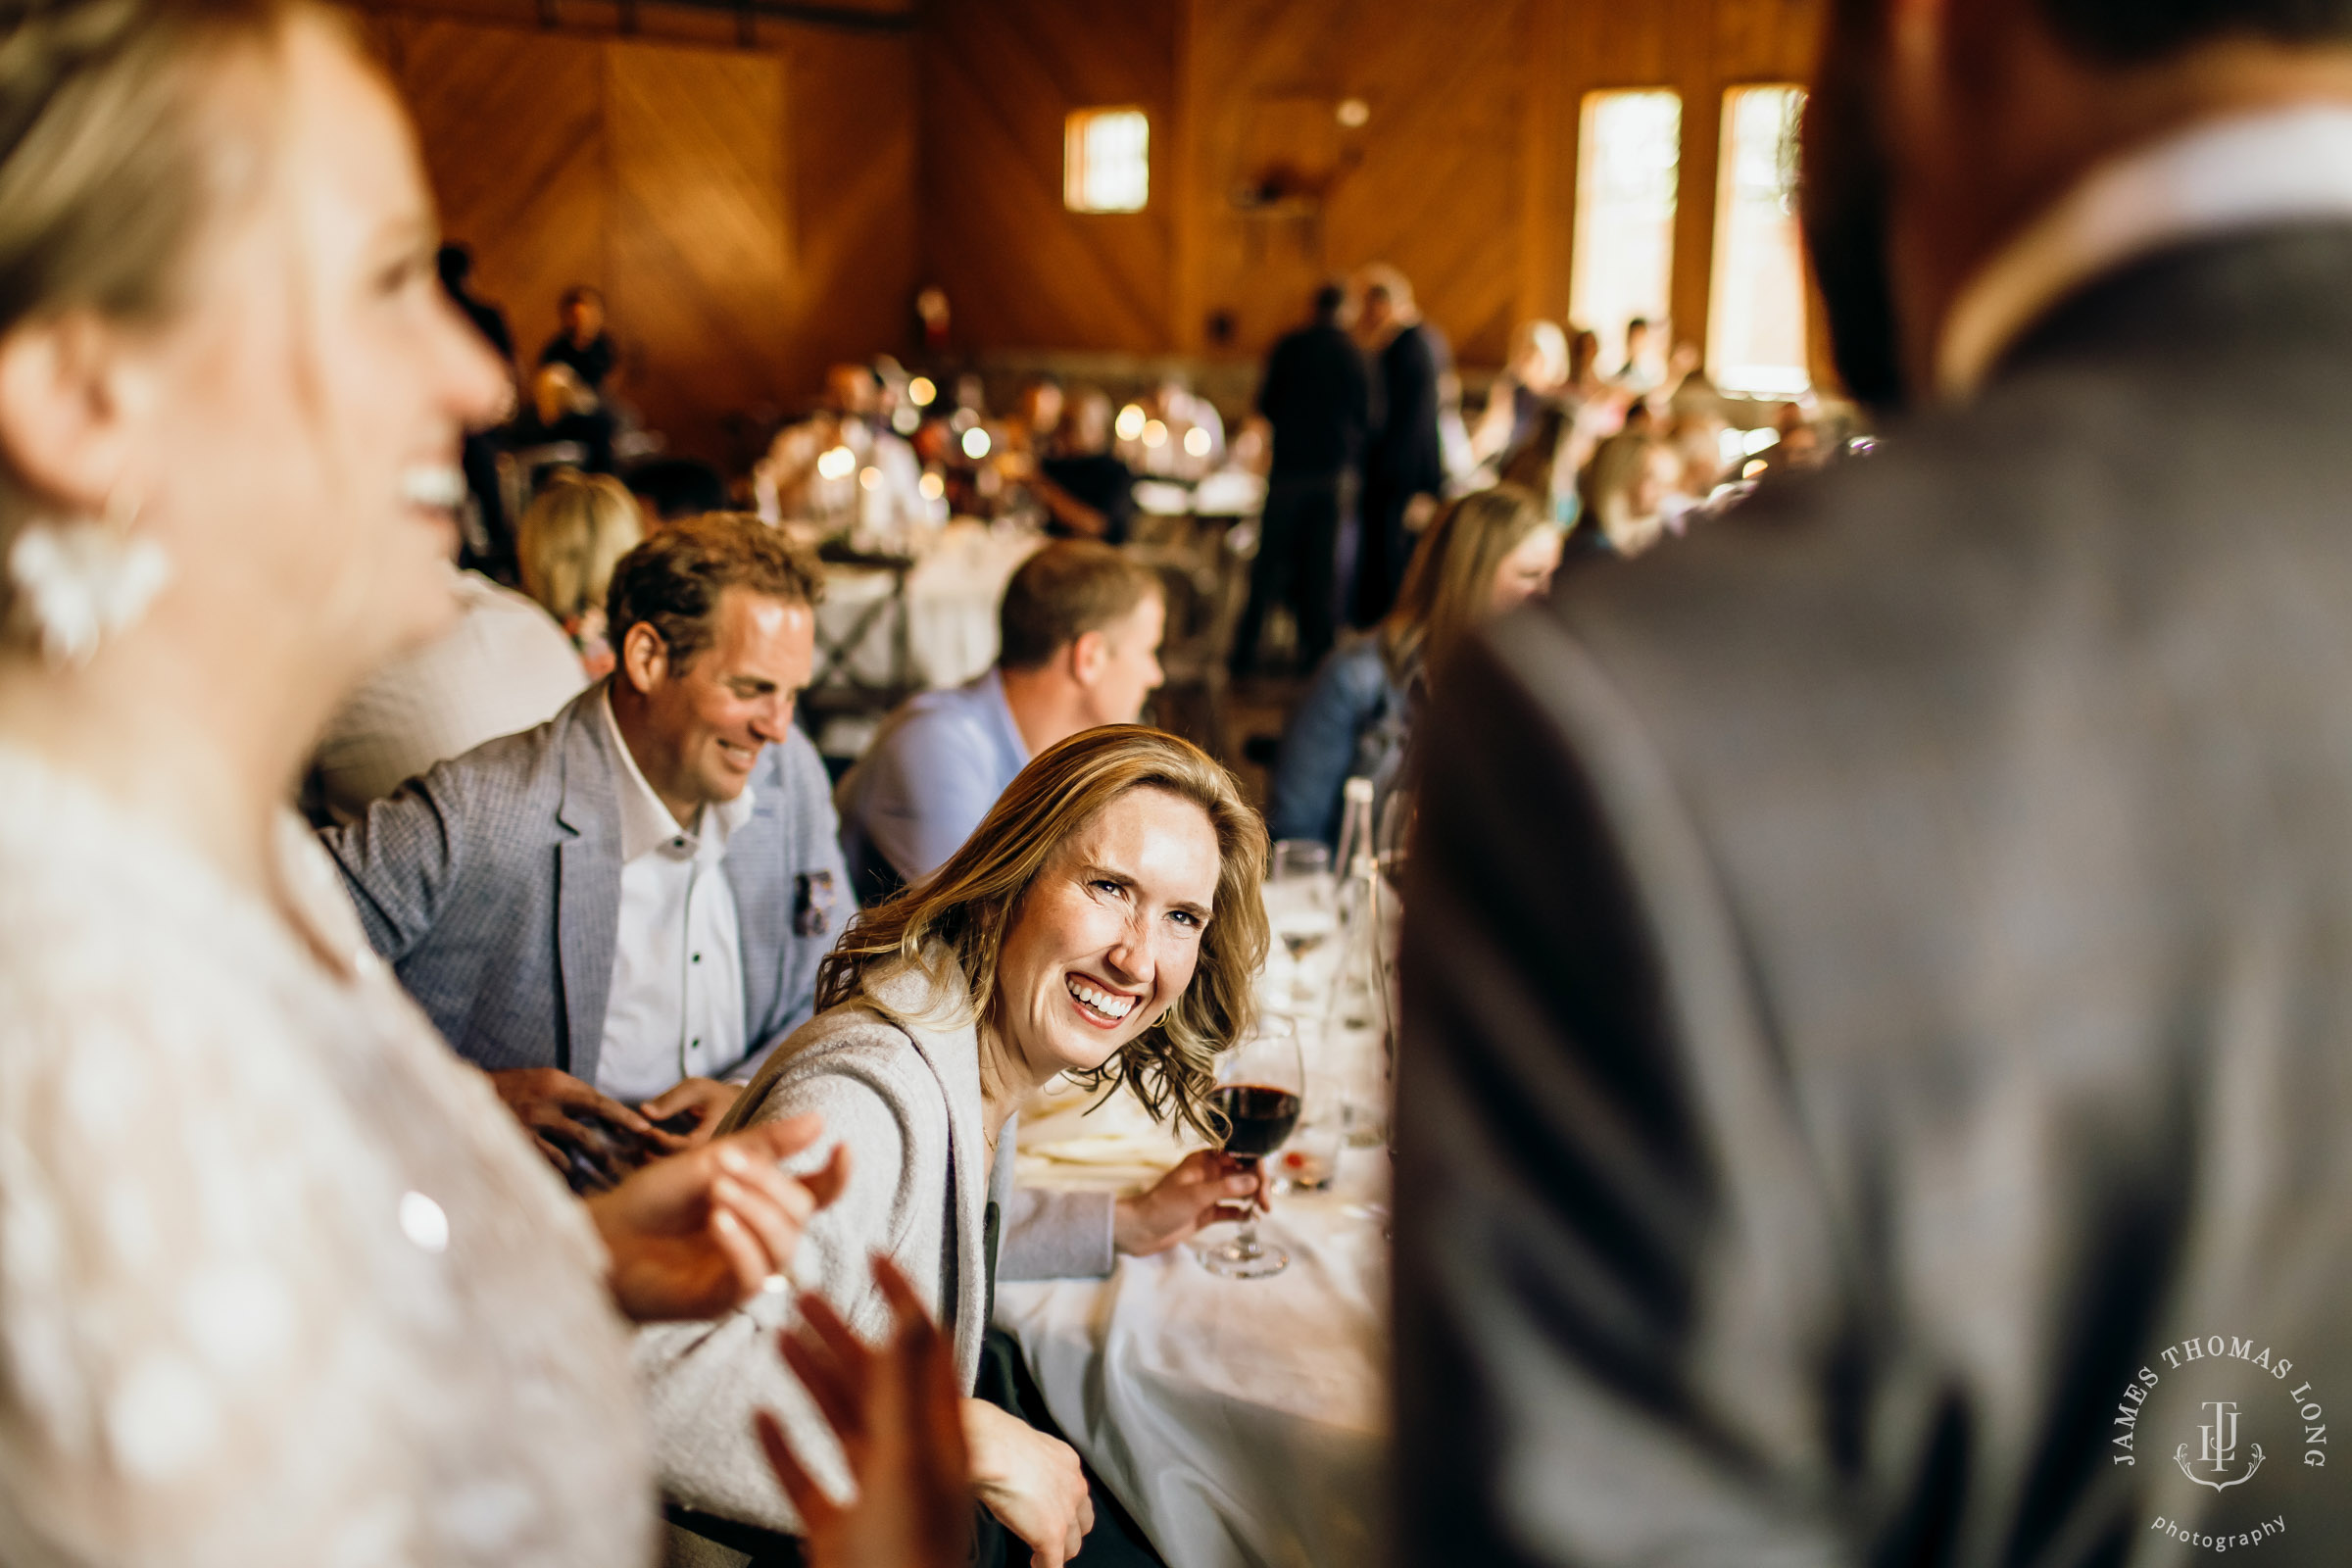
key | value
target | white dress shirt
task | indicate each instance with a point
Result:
(2242, 172)
(675, 1010)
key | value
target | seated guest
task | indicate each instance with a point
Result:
(1629, 494)
(1078, 641)
(1536, 373)
(611, 911)
(801, 477)
(503, 666)
(1489, 552)
(576, 403)
(576, 529)
(1087, 491)
(1104, 921)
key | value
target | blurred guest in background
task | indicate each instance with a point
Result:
(1640, 375)
(1489, 552)
(1087, 492)
(1035, 421)
(616, 909)
(1316, 398)
(1629, 492)
(576, 530)
(1878, 975)
(1405, 460)
(844, 463)
(571, 394)
(280, 1283)
(494, 552)
(1104, 921)
(504, 666)
(1536, 373)
(1078, 647)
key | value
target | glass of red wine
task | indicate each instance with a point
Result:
(1261, 1086)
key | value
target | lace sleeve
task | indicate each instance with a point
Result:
(191, 1326)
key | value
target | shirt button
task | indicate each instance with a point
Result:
(694, 1045)
(697, 958)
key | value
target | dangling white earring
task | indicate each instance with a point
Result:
(86, 579)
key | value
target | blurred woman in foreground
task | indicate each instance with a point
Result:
(282, 1282)
(1489, 552)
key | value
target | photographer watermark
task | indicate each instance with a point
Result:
(2222, 1411)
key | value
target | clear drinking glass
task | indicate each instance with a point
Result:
(1261, 1084)
(1299, 897)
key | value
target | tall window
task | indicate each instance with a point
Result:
(1629, 160)
(1106, 161)
(1756, 328)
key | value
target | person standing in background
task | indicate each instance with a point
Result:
(1405, 459)
(493, 554)
(1317, 397)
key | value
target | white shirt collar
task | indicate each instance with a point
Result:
(2242, 171)
(645, 822)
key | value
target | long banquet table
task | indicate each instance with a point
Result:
(1243, 1422)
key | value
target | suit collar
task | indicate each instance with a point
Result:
(2226, 176)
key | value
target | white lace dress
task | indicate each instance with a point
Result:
(280, 1283)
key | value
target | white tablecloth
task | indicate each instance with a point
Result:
(1241, 1421)
(951, 607)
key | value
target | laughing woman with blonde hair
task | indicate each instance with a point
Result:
(1103, 921)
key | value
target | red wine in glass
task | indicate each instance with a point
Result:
(1261, 1118)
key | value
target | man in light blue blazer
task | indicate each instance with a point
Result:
(617, 914)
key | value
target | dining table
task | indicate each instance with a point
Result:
(1242, 1423)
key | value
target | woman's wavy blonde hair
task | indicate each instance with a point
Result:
(972, 901)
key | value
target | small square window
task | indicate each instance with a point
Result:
(1106, 161)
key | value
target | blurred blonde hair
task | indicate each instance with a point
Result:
(574, 531)
(1450, 586)
(969, 906)
(112, 157)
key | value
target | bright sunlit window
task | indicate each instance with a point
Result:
(1629, 161)
(1756, 328)
(1106, 161)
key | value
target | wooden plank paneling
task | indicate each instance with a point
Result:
(697, 226)
(750, 213)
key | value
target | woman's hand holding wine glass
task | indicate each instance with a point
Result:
(1262, 1086)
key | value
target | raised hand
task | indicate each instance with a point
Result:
(694, 1235)
(895, 1408)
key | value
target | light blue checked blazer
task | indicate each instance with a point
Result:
(492, 885)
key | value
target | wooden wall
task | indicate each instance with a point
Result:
(755, 212)
(749, 213)
(1464, 176)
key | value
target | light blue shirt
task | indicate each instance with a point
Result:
(933, 771)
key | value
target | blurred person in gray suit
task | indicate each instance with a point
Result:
(616, 914)
(1879, 977)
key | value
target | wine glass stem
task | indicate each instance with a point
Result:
(1245, 1240)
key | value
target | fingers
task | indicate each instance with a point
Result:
(687, 1093)
(765, 1179)
(808, 1500)
(555, 1155)
(742, 1253)
(613, 1111)
(827, 1384)
(780, 1140)
(825, 1185)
